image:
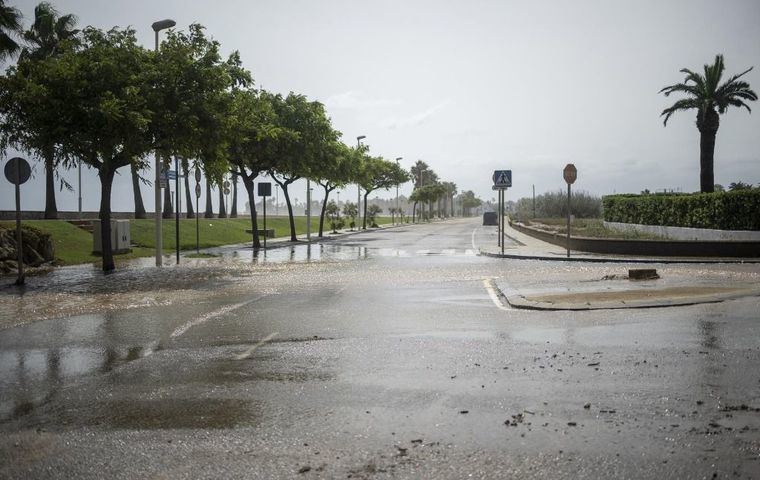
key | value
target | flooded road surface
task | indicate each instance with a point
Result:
(381, 354)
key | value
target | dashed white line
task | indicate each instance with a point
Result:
(208, 316)
(250, 351)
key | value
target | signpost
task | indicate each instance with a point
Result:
(197, 214)
(17, 171)
(502, 179)
(265, 190)
(174, 175)
(570, 173)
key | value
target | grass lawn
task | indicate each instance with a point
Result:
(588, 227)
(73, 245)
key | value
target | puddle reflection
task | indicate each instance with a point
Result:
(29, 378)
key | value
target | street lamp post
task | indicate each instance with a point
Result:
(157, 27)
(359, 187)
(79, 168)
(277, 199)
(398, 159)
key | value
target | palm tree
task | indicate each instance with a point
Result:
(709, 98)
(10, 26)
(49, 36)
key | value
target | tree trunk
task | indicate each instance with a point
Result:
(708, 128)
(188, 193)
(222, 207)
(139, 205)
(106, 181)
(248, 183)
(322, 214)
(209, 207)
(364, 220)
(233, 208)
(293, 237)
(414, 213)
(168, 211)
(452, 206)
(51, 209)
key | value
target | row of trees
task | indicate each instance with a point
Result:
(101, 99)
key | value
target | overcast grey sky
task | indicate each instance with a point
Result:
(473, 86)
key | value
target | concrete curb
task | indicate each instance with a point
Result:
(516, 300)
(516, 256)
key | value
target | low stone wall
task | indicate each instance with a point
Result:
(6, 215)
(685, 233)
(656, 248)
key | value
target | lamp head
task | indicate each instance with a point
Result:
(163, 24)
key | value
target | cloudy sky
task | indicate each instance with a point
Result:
(469, 87)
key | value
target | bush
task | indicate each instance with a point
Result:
(736, 210)
(554, 205)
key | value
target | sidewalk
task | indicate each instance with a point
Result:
(522, 246)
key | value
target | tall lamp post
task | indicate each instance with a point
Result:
(157, 27)
(359, 187)
(398, 212)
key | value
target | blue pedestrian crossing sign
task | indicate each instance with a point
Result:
(502, 178)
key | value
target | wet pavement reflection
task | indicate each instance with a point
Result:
(377, 344)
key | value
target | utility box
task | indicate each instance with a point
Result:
(120, 237)
(490, 218)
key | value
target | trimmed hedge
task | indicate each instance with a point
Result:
(737, 210)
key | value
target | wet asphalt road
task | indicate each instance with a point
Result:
(382, 354)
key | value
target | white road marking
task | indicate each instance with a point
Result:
(491, 289)
(448, 251)
(474, 247)
(250, 351)
(422, 252)
(208, 316)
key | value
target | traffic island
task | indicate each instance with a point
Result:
(618, 294)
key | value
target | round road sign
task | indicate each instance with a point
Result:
(198, 190)
(197, 174)
(226, 191)
(17, 170)
(570, 173)
(226, 184)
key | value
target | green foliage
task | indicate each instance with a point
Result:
(554, 205)
(10, 27)
(333, 212)
(733, 186)
(736, 210)
(372, 212)
(350, 210)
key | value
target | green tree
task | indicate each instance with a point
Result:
(336, 171)
(350, 210)
(709, 98)
(450, 191)
(469, 201)
(10, 27)
(49, 36)
(333, 212)
(106, 122)
(253, 144)
(376, 173)
(300, 154)
(372, 212)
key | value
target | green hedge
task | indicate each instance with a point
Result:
(737, 210)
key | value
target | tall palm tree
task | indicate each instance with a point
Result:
(49, 36)
(709, 97)
(10, 27)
